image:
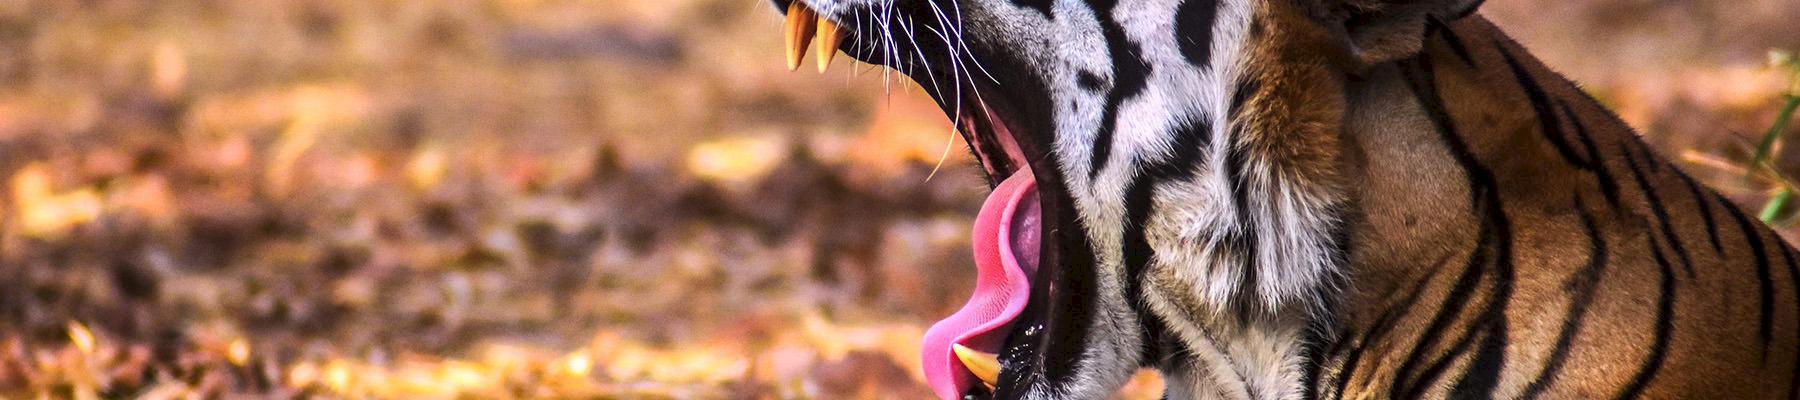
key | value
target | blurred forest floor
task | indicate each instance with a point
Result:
(565, 198)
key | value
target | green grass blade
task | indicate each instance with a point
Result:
(1781, 122)
(1772, 210)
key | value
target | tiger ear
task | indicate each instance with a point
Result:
(1379, 31)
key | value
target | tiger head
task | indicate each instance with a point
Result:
(1115, 132)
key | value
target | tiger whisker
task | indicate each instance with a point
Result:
(918, 61)
(963, 46)
(951, 48)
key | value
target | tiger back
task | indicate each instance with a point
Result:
(1542, 249)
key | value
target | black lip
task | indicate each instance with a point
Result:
(782, 5)
(1045, 345)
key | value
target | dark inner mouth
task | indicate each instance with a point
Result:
(1001, 148)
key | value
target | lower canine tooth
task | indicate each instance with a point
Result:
(986, 366)
(800, 29)
(829, 39)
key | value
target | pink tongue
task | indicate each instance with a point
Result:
(1006, 256)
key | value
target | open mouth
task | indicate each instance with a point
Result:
(984, 347)
(960, 353)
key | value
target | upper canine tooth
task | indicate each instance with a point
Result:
(800, 29)
(829, 39)
(986, 366)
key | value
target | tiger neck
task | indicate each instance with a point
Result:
(1435, 140)
(1447, 150)
(1383, 190)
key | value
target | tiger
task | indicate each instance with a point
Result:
(1297, 199)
